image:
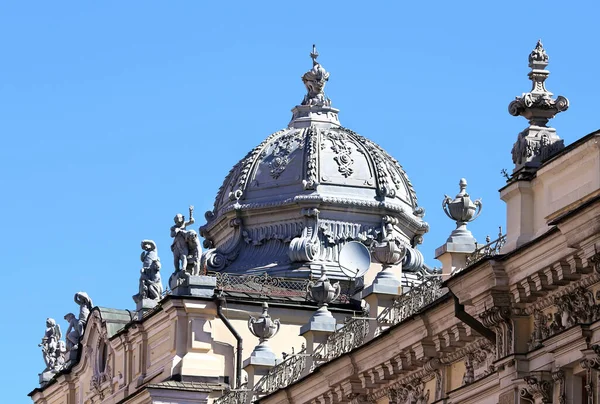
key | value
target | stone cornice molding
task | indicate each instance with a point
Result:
(458, 354)
(549, 300)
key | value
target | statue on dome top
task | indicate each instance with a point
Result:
(315, 80)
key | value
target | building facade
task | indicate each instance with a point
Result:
(281, 306)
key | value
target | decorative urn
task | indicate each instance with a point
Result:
(389, 251)
(462, 210)
(263, 327)
(323, 292)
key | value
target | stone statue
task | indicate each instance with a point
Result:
(77, 325)
(53, 348)
(180, 244)
(194, 252)
(315, 80)
(150, 281)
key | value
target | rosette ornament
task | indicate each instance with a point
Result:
(263, 328)
(323, 292)
(462, 210)
(390, 251)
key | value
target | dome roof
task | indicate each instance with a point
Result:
(332, 164)
(305, 191)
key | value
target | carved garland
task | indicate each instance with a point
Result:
(312, 177)
(339, 145)
(575, 307)
(283, 147)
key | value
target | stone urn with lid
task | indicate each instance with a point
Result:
(263, 328)
(323, 292)
(462, 210)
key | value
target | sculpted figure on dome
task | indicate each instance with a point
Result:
(77, 325)
(315, 80)
(53, 348)
(150, 280)
(180, 240)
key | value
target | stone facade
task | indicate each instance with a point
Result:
(516, 320)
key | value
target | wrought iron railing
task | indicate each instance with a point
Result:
(349, 337)
(352, 335)
(233, 397)
(490, 249)
(411, 302)
(266, 286)
(282, 374)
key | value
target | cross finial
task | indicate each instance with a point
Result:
(314, 55)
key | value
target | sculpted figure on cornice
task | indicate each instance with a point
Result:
(150, 280)
(180, 246)
(53, 348)
(77, 324)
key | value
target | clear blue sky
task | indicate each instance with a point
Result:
(117, 115)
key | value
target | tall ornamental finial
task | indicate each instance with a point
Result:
(537, 142)
(315, 80)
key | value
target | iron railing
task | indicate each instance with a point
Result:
(411, 302)
(352, 335)
(282, 374)
(267, 286)
(239, 396)
(349, 337)
(490, 249)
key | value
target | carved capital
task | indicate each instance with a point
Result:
(537, 390)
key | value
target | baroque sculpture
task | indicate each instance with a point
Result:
(77, 324)
(53, 348)
(150, 281)
(315, 80)
(186, 250)
(180, 240)
(537, 142)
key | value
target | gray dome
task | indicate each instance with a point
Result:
(304, 192)
(331, 164)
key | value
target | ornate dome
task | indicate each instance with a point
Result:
(305, 191)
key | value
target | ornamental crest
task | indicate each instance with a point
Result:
(282, 148)
(340, 146)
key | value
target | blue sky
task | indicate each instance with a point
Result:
(117, 115)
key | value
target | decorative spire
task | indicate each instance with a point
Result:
(538, 141)
(315, 80)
